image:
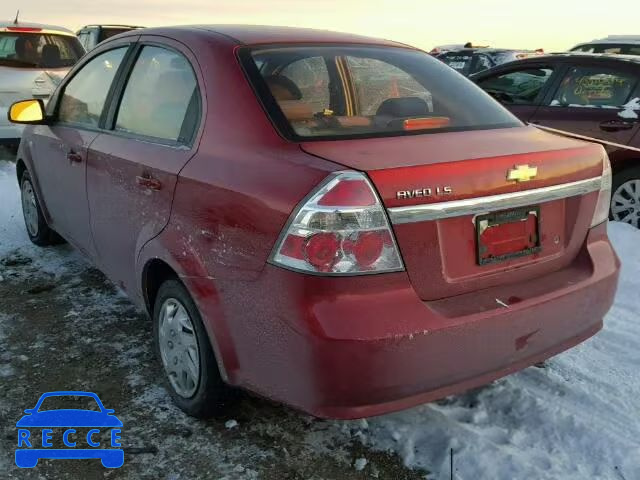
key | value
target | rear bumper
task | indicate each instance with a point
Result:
(363, 346)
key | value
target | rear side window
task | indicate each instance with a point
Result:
(594, 87)
(367, 91)
(161, 97)
(520, 87)
(84, 96)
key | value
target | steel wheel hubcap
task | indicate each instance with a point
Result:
(625, 203)
(179, 348)
(29, 208)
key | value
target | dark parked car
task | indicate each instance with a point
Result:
(621, 44)
(468, 61)
(296, 229)
(592, 95)
(92, 35)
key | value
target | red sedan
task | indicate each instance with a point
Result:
(339, 223)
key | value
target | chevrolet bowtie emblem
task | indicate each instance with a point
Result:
(522, 173)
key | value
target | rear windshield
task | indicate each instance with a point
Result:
(459, 61)
(334, 91)
(38, 50)
(108, 32)
(623, 49)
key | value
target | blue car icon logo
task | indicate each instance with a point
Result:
(36, 433)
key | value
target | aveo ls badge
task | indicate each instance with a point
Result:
(423, 192)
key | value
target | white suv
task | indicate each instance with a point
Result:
(33, 60)
(617, 44)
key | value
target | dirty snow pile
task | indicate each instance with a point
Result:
(577, 418)
(12, 231)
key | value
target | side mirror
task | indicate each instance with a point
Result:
(29, 411)
(27, 112)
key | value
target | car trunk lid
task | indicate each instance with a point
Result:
(420, 178)
(24, 83)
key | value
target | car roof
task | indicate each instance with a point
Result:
(562, 57)
(582, 55)
(485, 50)
(12, 26)
(110, 26)
(626, 39)
(267, 34)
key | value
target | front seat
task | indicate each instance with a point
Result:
(403, 107)
(50, 56)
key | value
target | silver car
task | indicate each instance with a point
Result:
(33, 60)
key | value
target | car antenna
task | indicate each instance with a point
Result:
(15, 22)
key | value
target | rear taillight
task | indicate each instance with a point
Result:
(342, 229)
(604, 196)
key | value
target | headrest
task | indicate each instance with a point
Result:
(285, 83)
(403, 107)
(50, 56)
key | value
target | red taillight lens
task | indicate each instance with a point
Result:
(368, 247)
(322, 250)
(341, 230)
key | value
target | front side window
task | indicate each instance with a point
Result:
(520, 87)
(161, 97)
(83, 98)
(594, 87)
(367, 91)
(35, 50)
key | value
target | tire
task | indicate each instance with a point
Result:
(625, 197)
(206, 395)
(39, 232)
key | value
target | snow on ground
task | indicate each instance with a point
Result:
(577, 418)
(12, 232)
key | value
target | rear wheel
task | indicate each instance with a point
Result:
(183, 347)
(625, 197)
(37, 228)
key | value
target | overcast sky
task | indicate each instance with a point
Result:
(551, 24)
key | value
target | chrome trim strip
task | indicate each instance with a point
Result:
(479, 205)
(582, 137)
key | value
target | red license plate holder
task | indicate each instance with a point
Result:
(507, 234)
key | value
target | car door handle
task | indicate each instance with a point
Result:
(148, 182)
(74, 157)
(615, 125)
